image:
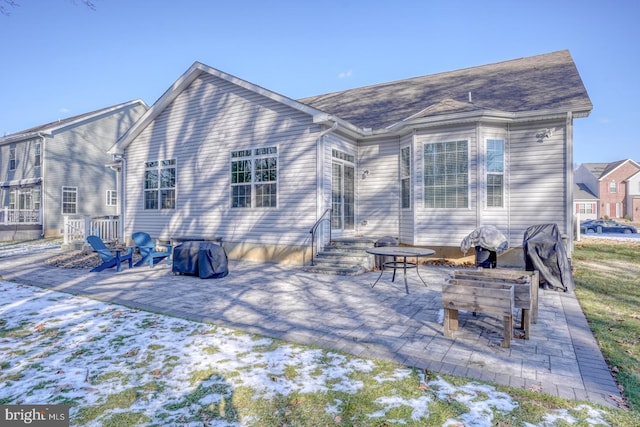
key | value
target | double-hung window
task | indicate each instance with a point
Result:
(254, 178)
(38, 155)
(446, 174)
(12, 158)
(613, 187)
(405, 176)
(70, 200)
(112, 198)
(495, 173)
(160, 184)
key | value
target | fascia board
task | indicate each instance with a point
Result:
(57, 129)
(10, 139)
(618, 167)
(260, 90)
(485, 116)
(51, 130)
(165, 99)
(195, 71)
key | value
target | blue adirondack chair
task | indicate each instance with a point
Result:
(110, 257)
(148, 250)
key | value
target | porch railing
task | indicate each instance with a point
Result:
(77, 229)
(314, 230)
(20, 216)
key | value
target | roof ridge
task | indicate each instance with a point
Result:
(71, 119)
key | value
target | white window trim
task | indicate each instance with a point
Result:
(159, 168)
(37, 158)
(451, 138)
(407, 176)
(111, 200)
(64, 189)
(252, 157)
(487, 173)
(12, 159)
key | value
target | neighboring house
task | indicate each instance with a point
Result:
(426, 159)
(614, 184)
(585, 202)
(633, 197)
(58, 169)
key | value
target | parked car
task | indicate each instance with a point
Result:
(605, 226)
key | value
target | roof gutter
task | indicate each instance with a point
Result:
(23, 136)
(489, 116)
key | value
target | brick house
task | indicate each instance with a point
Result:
(615, 185)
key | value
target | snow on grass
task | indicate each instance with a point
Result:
(59, 348)
(21, 248)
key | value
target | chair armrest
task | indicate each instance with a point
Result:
(126, 250)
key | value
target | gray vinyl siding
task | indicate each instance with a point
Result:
(534, 184)
(25, 158)
(538, 180)
(76, 157)
(379, 192)
(496, 216)
(25, 165)
(73, 156)
(445, 227)
(199, 129)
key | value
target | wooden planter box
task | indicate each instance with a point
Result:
(526, 285)
(484, 297)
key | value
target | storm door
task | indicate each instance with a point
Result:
(343, 193)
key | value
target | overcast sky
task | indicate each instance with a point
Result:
(61, 58)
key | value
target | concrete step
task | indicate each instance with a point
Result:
(344, 256)
(352, 242)
(351, 256)
(341, 271)
(338, 263)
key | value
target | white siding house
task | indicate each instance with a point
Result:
(59, 169)
(633, 196)
(427, 159)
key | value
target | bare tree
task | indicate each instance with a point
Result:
(7, 5)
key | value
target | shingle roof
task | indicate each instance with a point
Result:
(582, 192)
(544, 82)
(49, 127)
(600, 170)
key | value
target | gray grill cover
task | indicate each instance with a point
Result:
(545, 252)
(487, 237)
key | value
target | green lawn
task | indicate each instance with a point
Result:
(607, 277)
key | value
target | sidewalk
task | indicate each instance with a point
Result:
(562, 357)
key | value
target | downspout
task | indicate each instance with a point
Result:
(507, 162)
(480, 162)
(42, 185)
(569, 174)
(120, 196)
(320, 172)
(320, 166)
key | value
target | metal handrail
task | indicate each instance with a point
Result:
(315, 228)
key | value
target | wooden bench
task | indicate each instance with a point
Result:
(485, 297)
